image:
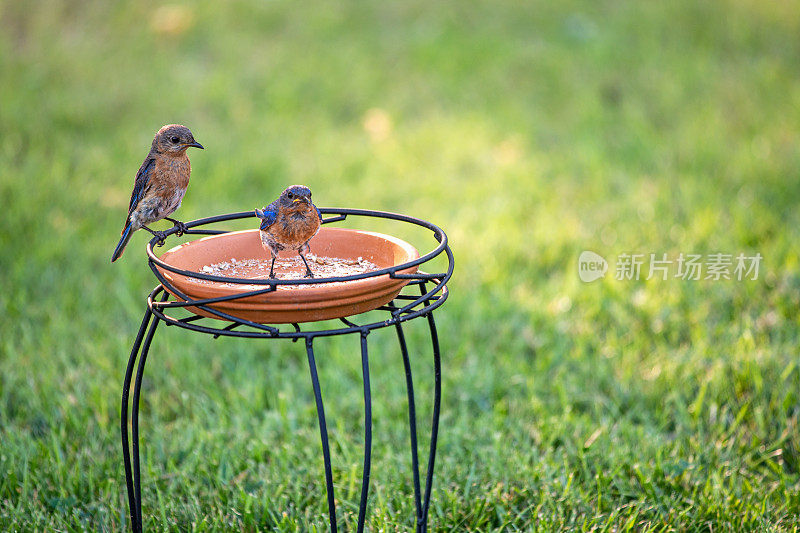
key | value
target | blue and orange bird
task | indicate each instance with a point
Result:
(160, 183)
(289, 223)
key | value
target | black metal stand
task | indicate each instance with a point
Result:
(161, 307)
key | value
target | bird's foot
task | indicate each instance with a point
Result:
(272, 266)
(182, 228)
(161, 236)
(308, 268)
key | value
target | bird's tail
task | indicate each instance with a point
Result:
(126, 236)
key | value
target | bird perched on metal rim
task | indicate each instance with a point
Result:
(160, 183)
(289, 223)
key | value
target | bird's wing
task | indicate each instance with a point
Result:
(268, 215)
(318, 213)
(142, 177)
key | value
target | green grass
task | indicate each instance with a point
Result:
(530, 131)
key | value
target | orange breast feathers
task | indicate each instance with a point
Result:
(296, 224)
(171, 173)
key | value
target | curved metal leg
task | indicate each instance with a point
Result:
(422, 525)
(137, 387)
(133, 476)
(126, 458)
(412, 420)
(323, 432)
(362, 508)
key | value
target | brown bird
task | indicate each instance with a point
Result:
(289, 223)
(160, 183)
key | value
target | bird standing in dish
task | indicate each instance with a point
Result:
(160, 183)
(289, 223)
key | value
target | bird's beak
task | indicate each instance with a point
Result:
(296, 200)
(195, 144)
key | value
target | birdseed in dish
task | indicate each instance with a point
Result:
(287, 268)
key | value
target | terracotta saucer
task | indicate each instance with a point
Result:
(240, 255)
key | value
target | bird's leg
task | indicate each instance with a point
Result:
(178, 224)
(309, 274)
(158, 234)
(272, 268)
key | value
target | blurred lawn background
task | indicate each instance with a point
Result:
(529, 131)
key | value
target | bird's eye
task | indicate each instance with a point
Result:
(290, 195)
(175, 139)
